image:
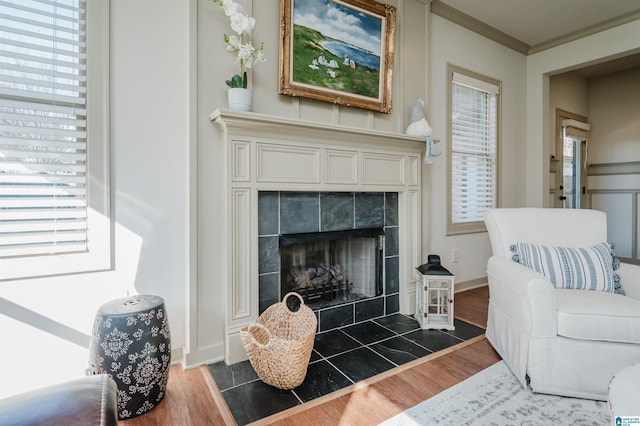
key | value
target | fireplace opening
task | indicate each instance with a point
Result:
(329, 268)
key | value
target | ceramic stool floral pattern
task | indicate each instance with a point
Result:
(132, 344)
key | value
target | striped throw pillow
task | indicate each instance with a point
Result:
(579, 268)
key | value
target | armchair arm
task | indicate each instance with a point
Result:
(630, 279)
(523, 295)
(90, 400)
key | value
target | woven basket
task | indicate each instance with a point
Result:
(279, 343)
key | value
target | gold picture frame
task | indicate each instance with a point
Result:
(338, 51)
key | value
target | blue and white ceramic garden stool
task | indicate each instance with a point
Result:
(132, 344)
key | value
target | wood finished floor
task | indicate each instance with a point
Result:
(189, 399)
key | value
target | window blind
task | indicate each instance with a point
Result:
(575, 129)
(43, 142)
(473, 148)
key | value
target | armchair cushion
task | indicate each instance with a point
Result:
(578, 268)
(590, 315)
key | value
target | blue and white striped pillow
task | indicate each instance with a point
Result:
(579, 268)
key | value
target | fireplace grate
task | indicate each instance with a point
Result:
(330, 268)
(320, 284)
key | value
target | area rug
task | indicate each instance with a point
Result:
(495, 397)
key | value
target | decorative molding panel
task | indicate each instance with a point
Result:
(286, 163)
(240, 293)
(627, 168)
(614, 188)
(241, 161)
(341, 167)
(383, 169)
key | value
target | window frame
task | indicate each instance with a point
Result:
(476, 226)
(100, 235)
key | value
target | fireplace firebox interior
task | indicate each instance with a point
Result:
(330, 268)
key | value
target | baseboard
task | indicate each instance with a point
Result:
(470, 284)
(177, 353)
(206, 355)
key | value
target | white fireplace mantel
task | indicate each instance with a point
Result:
(266, 153)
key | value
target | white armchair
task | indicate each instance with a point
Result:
(559, 341)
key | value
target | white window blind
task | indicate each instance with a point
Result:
(474, 146)
(43, 140)
(575, 129)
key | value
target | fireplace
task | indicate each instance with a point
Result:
(339, 250)
(330, 268)
(284, 176)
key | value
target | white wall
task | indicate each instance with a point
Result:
(215, 65)
(453, 44)
(609, 44)
(614, 113)
(568, 92)
(45, 326)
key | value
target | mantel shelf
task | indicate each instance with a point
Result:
(255, 124)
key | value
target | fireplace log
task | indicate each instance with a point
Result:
(321, 280)
(300, 278)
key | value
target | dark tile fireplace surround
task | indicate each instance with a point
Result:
(281, 213)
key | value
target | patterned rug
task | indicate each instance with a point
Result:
(495, 397)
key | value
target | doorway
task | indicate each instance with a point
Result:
(569, 165)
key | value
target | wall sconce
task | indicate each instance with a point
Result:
(419, 126)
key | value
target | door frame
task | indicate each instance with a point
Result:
(557, 162)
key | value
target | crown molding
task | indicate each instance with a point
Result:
(593, 29)
(454, 15)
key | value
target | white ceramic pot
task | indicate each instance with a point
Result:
(239, 99)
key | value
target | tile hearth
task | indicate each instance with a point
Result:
(340, 358)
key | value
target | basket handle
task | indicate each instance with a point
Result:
(253, 339)
(296, 294)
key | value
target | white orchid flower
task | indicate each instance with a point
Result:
(231, 7)
(252, 23)
(240, 23)
(260, 57)
(232, 42)
(247, 55)
(245, 52)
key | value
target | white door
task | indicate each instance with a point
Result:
(573, 191)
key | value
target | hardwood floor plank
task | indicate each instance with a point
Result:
(418, 383)
(399, 390)
(193, 398)
(376, 401)
(471, 306)
(188, 402)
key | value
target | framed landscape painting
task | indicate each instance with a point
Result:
(338, 51)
